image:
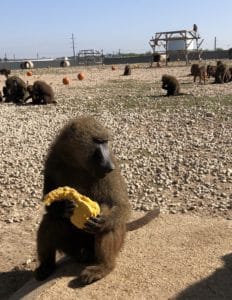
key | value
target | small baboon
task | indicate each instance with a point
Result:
(211, 71)
(198, 71)
(41, 93)
(171, 84)
(5, 72)
(80, 158)
(127, 70)
(222, 74)
(15, 90)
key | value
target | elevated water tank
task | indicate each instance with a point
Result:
(174, 45)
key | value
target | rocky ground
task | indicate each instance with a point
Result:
(175, 153)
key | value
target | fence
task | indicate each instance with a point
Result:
(206, 55)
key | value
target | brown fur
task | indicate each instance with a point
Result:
(198, 71)
(171, 84)
(127, 70)
(222, 74)
(211, 71)
(15, 90)
(73, 160)
(41, 93)
(5, 72)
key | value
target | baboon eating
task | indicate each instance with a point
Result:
(127, 70)
(5, 72)
(198, 71)
(15, 90)
(222, 74)
(80, 158)
(171, 84)
(41, 93)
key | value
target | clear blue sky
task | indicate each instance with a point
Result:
(29, 27)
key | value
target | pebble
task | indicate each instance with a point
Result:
(168, 155)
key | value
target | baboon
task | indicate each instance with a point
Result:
(80, 158)
(5, 72)
(211, 71)
(222, 74)
(127, 70)
(194, 68)
(41, 93)
(198, 71)
(171, 84)
(1, 98)
(15, 90)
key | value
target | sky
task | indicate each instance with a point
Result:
(45, 27)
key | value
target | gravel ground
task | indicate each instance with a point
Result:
(175, 152)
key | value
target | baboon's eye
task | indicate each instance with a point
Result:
(99, 141)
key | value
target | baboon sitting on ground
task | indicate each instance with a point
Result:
(15, 90)
(41, 93)
(222, 74)
(198, 71)
(5, 72)
(171, 84)
(80, 157)
(127, 70)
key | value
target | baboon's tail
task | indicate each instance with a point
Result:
(147, 218)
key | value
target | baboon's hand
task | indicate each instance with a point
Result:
(61, 209)
(98, 224)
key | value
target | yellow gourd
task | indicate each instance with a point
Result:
(84, 208)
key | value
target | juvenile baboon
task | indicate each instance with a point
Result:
(222, 74)
(41, 93)
(127, 70)
(80, 158)
(211, 71)
(15, 90)
(198, 71)
(5, 72)
(171, 84)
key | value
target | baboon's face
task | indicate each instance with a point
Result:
(100, 162)
(89, 148)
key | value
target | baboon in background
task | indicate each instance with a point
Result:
(41, 93)
(194, 68)
(5, 72)
(222, 74)
(80, 158)
(211, 71)
(171, 84)
(127, 70)
(15, 90)
(198, 71)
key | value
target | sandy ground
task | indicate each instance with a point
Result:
(174, 257)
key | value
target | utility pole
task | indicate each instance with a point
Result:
(73, 46)
(215, 43)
